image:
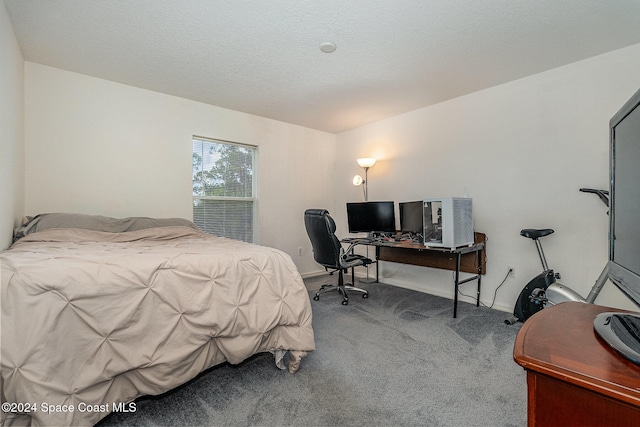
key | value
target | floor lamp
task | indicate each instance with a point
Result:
(365, 163)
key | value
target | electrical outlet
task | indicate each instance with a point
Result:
(300, 251)
(512, 272)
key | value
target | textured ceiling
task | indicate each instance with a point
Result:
(262, 56)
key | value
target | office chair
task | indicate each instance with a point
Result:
(328, 252)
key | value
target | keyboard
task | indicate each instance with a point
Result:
(357, 239)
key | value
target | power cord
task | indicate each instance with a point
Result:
(495, 293)
(395, 272)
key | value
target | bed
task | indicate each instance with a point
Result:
(97, 311)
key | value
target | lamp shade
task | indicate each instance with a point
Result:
(357, 180)
(366, 162)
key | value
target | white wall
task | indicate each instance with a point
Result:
(11, 131)
(99, 147)
(521, 151)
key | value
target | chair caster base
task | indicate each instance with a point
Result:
(342, 290)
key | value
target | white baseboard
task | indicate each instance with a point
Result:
(315, 274)
(420, 287)
(438, 291)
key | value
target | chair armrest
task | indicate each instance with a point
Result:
(349, 248)
(348, 259)
(355, 242)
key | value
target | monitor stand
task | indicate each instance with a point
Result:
(621, 331)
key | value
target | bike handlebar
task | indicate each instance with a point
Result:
(602, 194)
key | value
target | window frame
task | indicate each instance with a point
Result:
(253, 149)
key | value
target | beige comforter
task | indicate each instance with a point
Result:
(92, 319)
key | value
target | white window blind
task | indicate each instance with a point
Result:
(224, 188)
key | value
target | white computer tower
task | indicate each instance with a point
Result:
(448, 222)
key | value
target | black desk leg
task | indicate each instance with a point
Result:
(377, 263)
(479, 277)
(457, 283)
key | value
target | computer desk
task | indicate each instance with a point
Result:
(469, 259)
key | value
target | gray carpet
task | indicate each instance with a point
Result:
(397, 358)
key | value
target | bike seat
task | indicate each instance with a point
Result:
(534, 234)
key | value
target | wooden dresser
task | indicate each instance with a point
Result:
(573, 377)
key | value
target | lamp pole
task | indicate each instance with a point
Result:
(366, 184)
(366, 163)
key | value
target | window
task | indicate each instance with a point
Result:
(224, 188)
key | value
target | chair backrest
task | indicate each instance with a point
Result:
(321, 230)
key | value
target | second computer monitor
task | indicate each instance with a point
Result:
(371, 217)
(411, 217)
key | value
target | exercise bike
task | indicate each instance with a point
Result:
(545, 289)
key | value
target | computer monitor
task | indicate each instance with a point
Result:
(371, 217)
(620, 330)
(411, 217)
(624, 232)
